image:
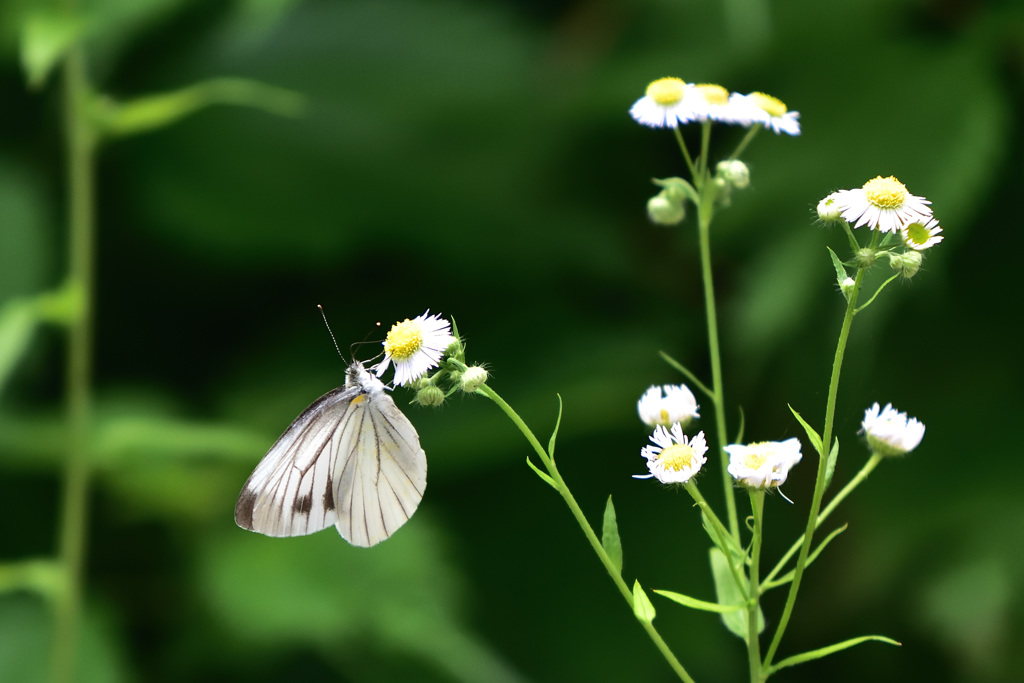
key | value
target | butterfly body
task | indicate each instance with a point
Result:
(351, 459)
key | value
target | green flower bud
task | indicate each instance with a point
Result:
(866, 257)
(663, 211)
(906, 264)
(430, 396)
(674, 189)
(734, 172)
(828, 210)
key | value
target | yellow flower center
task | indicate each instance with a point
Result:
(676, 457)
(666, 91)
(772, 105)
(885, 193)
(714, 94)
(404, 339)
(754, 461)
(664, 416)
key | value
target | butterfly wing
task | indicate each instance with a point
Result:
(291, 492)
(381, 471)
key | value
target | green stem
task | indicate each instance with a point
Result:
(718, 397)
(686, 156)
(868, 468)
(753, 642)
(80, 154)
(819, 486)
(588, 531)
(751, 133)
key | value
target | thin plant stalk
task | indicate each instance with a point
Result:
(819, 486)
(588, 531)
(80, 150)
(753, 603)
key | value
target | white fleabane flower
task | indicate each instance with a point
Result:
(415, 346)
(772, 113)
(890, 432)
(921, 234)
(673, 459)
(882, 204)
(765, 464)
(717, 104)
(667, 103)
(678, 405)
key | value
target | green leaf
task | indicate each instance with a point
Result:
(43, 576)
(152, 112)
(788, 576)
(642, 607)
(825, 651)
(811, 434)
(830, 465)
(841, 274)
(728, 594)
(694, 603)
(610, 540)
(547, 479)
(45, 38)
(18, 320)
(554, 432)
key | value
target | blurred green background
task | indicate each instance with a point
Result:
(477, 159)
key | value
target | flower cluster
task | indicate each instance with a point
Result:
(885, 205)
(669, 102)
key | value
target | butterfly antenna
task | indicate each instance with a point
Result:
(329, 331)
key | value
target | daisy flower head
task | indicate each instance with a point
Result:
(882, 204)
(677, 405)
(890, 432)
(667, 103)
(673, 459)
(765, 464)
(921, 234)
(415, 346)
(717, 104)
(773, 114)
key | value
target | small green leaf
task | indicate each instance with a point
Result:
(18, 320)
(728, 594)
(610, 540)
(694, 603)
(45, 38)
(841, 274)
(642, 607)
(811, 434)
(554, 433)
(547, 479)
(830, 465)
(152, 112)
(825, 651)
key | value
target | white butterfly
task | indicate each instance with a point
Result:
(351, 459)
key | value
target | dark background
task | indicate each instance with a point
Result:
(477, 159)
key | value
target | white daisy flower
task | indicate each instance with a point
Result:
(772, 113)
(716, 104)
(415, 346)
(667, 103)
(921, 234)
(882, 204)
(764, 464)
(673, 459)
(678, 405)
(890, 432)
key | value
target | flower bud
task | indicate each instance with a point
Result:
(865, 257)
(906, 264)
(828, 209)
(472, 378)
(430, 396)
(846, 287)
(674, 189)
(663, 211)
(734, 172)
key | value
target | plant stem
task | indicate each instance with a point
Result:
(753, 642)
(718, 397)
(80, 149)
(588, 531)
(819, 486)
